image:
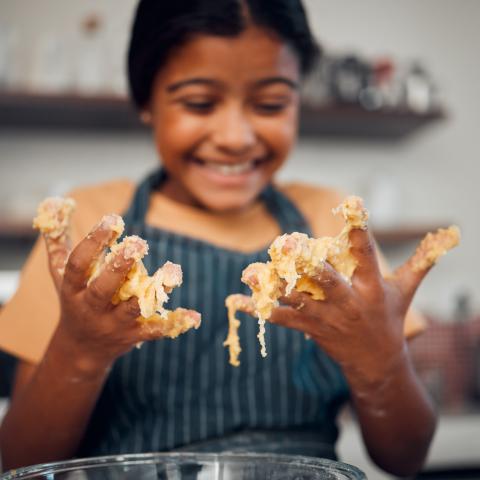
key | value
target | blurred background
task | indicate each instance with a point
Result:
(391, 114)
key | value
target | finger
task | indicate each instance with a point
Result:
(409, 275)
(114, 270)
(53, 221)
(362, 248)
(89, 250)
(408, 279)
(296, 299)
(313, 326)
(58, 250)
(306, 306)
(177, 322)
(288, 316)
(332, 284)
(169, 275)
(127, 311)
(150, 331)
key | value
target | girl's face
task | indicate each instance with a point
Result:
(224, 117)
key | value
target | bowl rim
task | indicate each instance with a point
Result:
(173, 457)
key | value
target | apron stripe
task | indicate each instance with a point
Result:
(282, 369)
(159, 251)
(205, 302)
(193, 265)
(301, 399)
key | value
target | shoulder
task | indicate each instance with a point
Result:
(316, 204)
(112, 195)
(94, 201)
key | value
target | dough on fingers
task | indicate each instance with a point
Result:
(296, 258)
(152, 291)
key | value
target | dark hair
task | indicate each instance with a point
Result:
(162, 25)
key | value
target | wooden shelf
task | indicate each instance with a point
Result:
(67, 112)
(75, 112)
(17, 230)
(355, 122)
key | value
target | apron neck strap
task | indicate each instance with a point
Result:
(288, 216)
(139, 204)
(285, 211)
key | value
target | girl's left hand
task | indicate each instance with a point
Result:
(358, 325)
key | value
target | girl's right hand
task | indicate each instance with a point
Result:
(96, 330)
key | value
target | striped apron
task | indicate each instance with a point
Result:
(183, 393)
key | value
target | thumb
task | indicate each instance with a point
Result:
(58, 250)
(409, 275)
(174, 324)
(53, 220)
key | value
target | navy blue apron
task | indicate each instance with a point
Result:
(183, 393)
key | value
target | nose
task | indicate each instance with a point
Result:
(233, 132)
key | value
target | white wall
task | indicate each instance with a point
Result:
(435, 171)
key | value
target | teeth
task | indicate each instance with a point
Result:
(225, 169)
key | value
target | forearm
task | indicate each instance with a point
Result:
(396, 417)
(48, 417)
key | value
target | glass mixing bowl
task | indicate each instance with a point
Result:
(191, 466)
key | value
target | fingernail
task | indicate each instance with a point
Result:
(132, 247)
(113, 223)
(353, 211)
(53, 216)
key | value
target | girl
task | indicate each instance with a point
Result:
(218, 82)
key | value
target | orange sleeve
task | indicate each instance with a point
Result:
(29, 319)
(316, 204)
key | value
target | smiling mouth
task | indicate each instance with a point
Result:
(229, 169)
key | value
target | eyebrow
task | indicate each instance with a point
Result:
(192, 81)
(264, 82)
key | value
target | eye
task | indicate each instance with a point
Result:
(271, 104)
(199, 106)
(270, 107)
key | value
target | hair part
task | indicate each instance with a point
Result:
(159, 27)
